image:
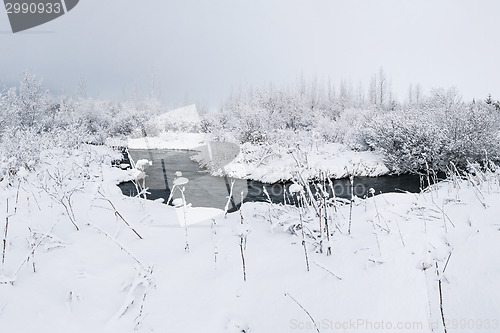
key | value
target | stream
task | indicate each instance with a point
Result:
(204, 190)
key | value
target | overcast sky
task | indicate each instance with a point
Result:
(198, 50)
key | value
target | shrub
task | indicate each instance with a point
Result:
(435, 133)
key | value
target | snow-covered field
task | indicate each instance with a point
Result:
(169, 140)
(409, 261)
(273, 164)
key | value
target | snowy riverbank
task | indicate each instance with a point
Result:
(169, 140)
(273, 163)
(406, 255)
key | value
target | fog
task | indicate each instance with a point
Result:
(198, 51)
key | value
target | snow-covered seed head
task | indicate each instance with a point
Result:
(180, 181)
(178, 202)
(142, 164)
(295, 188)
(371, 191)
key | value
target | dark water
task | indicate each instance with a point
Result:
(204, 190)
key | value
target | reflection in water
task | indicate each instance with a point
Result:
(204, 190)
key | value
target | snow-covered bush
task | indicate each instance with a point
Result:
(32, 120)
(18, 149)
(176, 125)
(472, 134)
(406, 142)
(348, 128)
(427, 132)
(441, 130)
(259, 115)
(30, 105)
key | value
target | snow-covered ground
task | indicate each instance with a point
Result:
(127, 267)
(271, 164)
(185, 121)
(169, 140)
(267, 163)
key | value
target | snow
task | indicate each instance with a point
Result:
(136, 174)
(273, 164)
(169, 140)
(295, 188)
(185, 115)
(175, 129)
(180, 181)
(269, 164)
(178, 202)
(142, 164)
(105, 278)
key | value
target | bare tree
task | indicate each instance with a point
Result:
(331, 91)
(410, 94)
(372, 90)
(346, 93)
(382, 87)
(418, 93)
(360, 95)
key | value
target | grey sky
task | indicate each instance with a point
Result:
(198, 50)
